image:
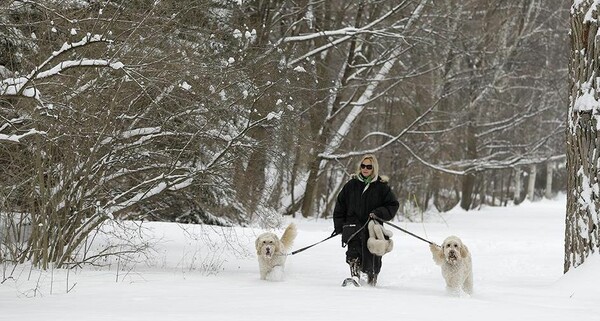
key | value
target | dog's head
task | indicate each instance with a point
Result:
(267, 244)
(454, 250)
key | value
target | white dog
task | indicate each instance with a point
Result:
(272, 252)
(455, 260)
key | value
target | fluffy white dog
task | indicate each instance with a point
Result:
(272, 252)
(454, 258)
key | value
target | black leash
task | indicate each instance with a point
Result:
(403, 230)
(358, 231)
(354, 234)
(308, 247)
(327, 238)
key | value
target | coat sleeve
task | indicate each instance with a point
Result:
(340, 210)
(390, 205)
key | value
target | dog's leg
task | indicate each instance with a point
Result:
(437, 254)
(453, 291)
(276, 273)
(453, 281)
(468, 285)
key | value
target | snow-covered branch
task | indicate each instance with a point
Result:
(242, 133)
(20, 86)
(391, 140)
(347, 33)
(365, 97)
(17, 138)
(145, 190)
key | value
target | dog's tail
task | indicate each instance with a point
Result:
(288, 236)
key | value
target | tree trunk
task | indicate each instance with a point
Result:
(549, 170)
(531, 183)
(506, 193)
(311, 188)
(581, 228)
(517, 196)
(468, 181)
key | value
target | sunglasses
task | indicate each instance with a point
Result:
(366, 166)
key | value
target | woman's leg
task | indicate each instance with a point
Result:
(353, 257)
(371, 265)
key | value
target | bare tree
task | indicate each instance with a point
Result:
(350, 68)
(128, 128)
(485, 101)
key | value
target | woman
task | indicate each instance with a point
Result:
(365, 195)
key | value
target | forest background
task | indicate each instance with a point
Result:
(236, 112)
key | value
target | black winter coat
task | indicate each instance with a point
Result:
(353, 206)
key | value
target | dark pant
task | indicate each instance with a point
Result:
(357, 248)
(354, 250)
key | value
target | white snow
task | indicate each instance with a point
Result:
(185, 85)
(16, 138)
(299, 69)
(274, 115)
(200, 272)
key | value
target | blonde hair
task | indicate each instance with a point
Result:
(375, 163)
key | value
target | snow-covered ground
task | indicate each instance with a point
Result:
(211, 273)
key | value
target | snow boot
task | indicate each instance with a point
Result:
(354, 267)
(372, 279)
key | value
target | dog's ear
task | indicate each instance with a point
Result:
(278, 246)
(257, 245)
(464, 251)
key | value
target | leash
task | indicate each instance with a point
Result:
(358, 231)
(354, 234)
(403, 230)
(308, 247)
(327, 238)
